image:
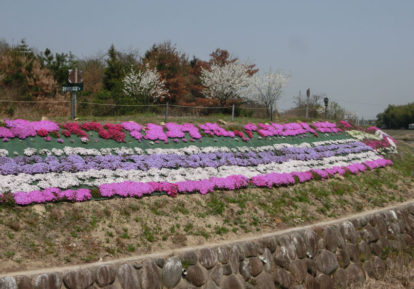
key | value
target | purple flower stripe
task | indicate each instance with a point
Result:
(139, 189)
(74, 163)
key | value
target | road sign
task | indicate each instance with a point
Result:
(75, 84)
(75, 76)
(72, 88)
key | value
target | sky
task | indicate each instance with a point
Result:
(359, 53)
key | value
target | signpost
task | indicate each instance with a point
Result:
(75, 84)
(307, 103)
(326, 101)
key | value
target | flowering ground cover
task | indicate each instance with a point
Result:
(70, 232)
(44, 161)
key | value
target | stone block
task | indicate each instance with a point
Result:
(171, 272)
(375, 268)
(311, 241)
(189, 258)
(340, 279)
(223, 254)
(197, 275)
(208, 258)
(24, 282)
(378, 222)
(343, 257)
(299, 243)
(326, 262)
(355, 275)
(216, 274)
(232, 282)
(48, 281)
(265, 281)
(79, 279)
(311, 267)
(369, 234)
(128, 277)
(282, 278)
(150, 276)
(245, 269)
(333, 238)
(298, 270)
(281, 257)
(311, 283)
(227, 269)
(353, 251)
(105, 275)
(255, 266)
(348, 231)
(8, 283)
(325, 281)
(267, 260)
(364, 251)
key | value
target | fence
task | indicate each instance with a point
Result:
(66, 109)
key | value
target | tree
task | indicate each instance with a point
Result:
(114, 69)
(222, 57)
(92, 71)
(173, 67)
(315, 105)
(266, 89)
(335, 111)
(22, 72)
(225, 82)
(397, 116)
(144, 86)
(58, 64)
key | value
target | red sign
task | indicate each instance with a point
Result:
(75, 76)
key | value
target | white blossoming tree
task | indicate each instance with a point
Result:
(145, 86)
(225, 82)
(266, 89)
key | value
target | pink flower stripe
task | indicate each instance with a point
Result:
(377, 144)
(139, 189)
(155, 132)
(179, 130)
(51, 195)
(326, 127)
(23, 128)
(214, 129)
(275, 129)
(133, 128)
(345, 124)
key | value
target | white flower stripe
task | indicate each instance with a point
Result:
(192, 149)
(27, 182)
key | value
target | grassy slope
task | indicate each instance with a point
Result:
(67, 233)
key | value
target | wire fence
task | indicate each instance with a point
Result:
(67, 109)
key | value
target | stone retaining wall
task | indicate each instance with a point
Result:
(334, 255)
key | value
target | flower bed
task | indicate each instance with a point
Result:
(46, 161)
